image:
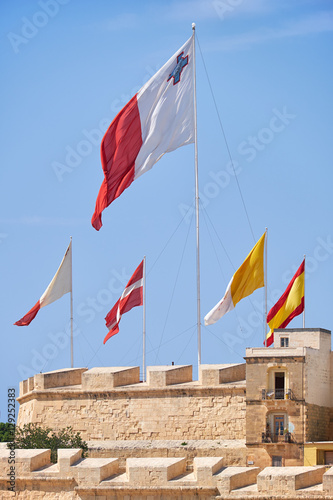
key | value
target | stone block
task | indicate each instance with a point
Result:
(68, 457)
(232, 478)
(205, 467)
(154, 471)
(221, 374)
(91, 471)
(162, 376)
(23, 387)
(58, 378)
(106, 378)
(328, 482)
(282, 480)
(26, 461)
(31, 383)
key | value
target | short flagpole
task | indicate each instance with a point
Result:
(265, 320)
(144, 323)
(304, 296)
(196, 202)
(71, 278)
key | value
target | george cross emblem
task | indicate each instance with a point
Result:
(181, 63)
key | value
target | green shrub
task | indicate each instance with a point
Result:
(6, 432)
(33, 436)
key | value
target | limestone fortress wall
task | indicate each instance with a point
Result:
(112, 403)
(175, 437)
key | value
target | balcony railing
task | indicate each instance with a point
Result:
(286, 437)
(277, 394)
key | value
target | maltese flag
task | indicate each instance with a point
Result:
(61, 284)
(132, 296)
(157, 120)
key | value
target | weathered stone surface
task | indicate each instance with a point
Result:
(205, 467)
(68, 457)
(93, 470)
(49, 380)
(162, 376)
(181, 411)
(221, 374)
(152, 471)
(232, 478)
(171, 417)
(328, 482)
(284, 480)
(25, 461)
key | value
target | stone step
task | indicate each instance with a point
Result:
(212, 375)
(26, 461)
(67, 458)
(50, 380)
(232, 478)
(107, 378)
(93, 470)
(328, 481)
(153, 471)
(244, 491)
(205, 467)
(162, 376)
(50, 469)
(286, 479)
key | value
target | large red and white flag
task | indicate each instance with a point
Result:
(61, 284)
(132, 296)
(157, 120)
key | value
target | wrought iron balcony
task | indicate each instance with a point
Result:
(277, 394)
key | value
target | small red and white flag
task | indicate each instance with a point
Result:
(157, 120)
(59, 286)
(131, 297)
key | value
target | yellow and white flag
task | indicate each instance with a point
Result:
(245, 281)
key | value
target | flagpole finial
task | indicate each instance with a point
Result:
(193, 26)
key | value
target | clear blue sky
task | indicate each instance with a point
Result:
(67, 68)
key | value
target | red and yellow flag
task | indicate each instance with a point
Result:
(289, 305)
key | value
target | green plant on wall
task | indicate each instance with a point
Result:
(33, 436)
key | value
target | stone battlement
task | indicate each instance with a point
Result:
(108, 378)
(163, 477)
(111, 403)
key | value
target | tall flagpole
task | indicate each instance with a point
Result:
(304, 296)
(196, 201)
(144, 323)
(72, 362)
(265, 321)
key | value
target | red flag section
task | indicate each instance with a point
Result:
(26, 320)
(131, 297)
(119, 149)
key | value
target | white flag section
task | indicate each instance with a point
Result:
(166, 110)
(62, 280)
(59, 286)
(157, 120)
